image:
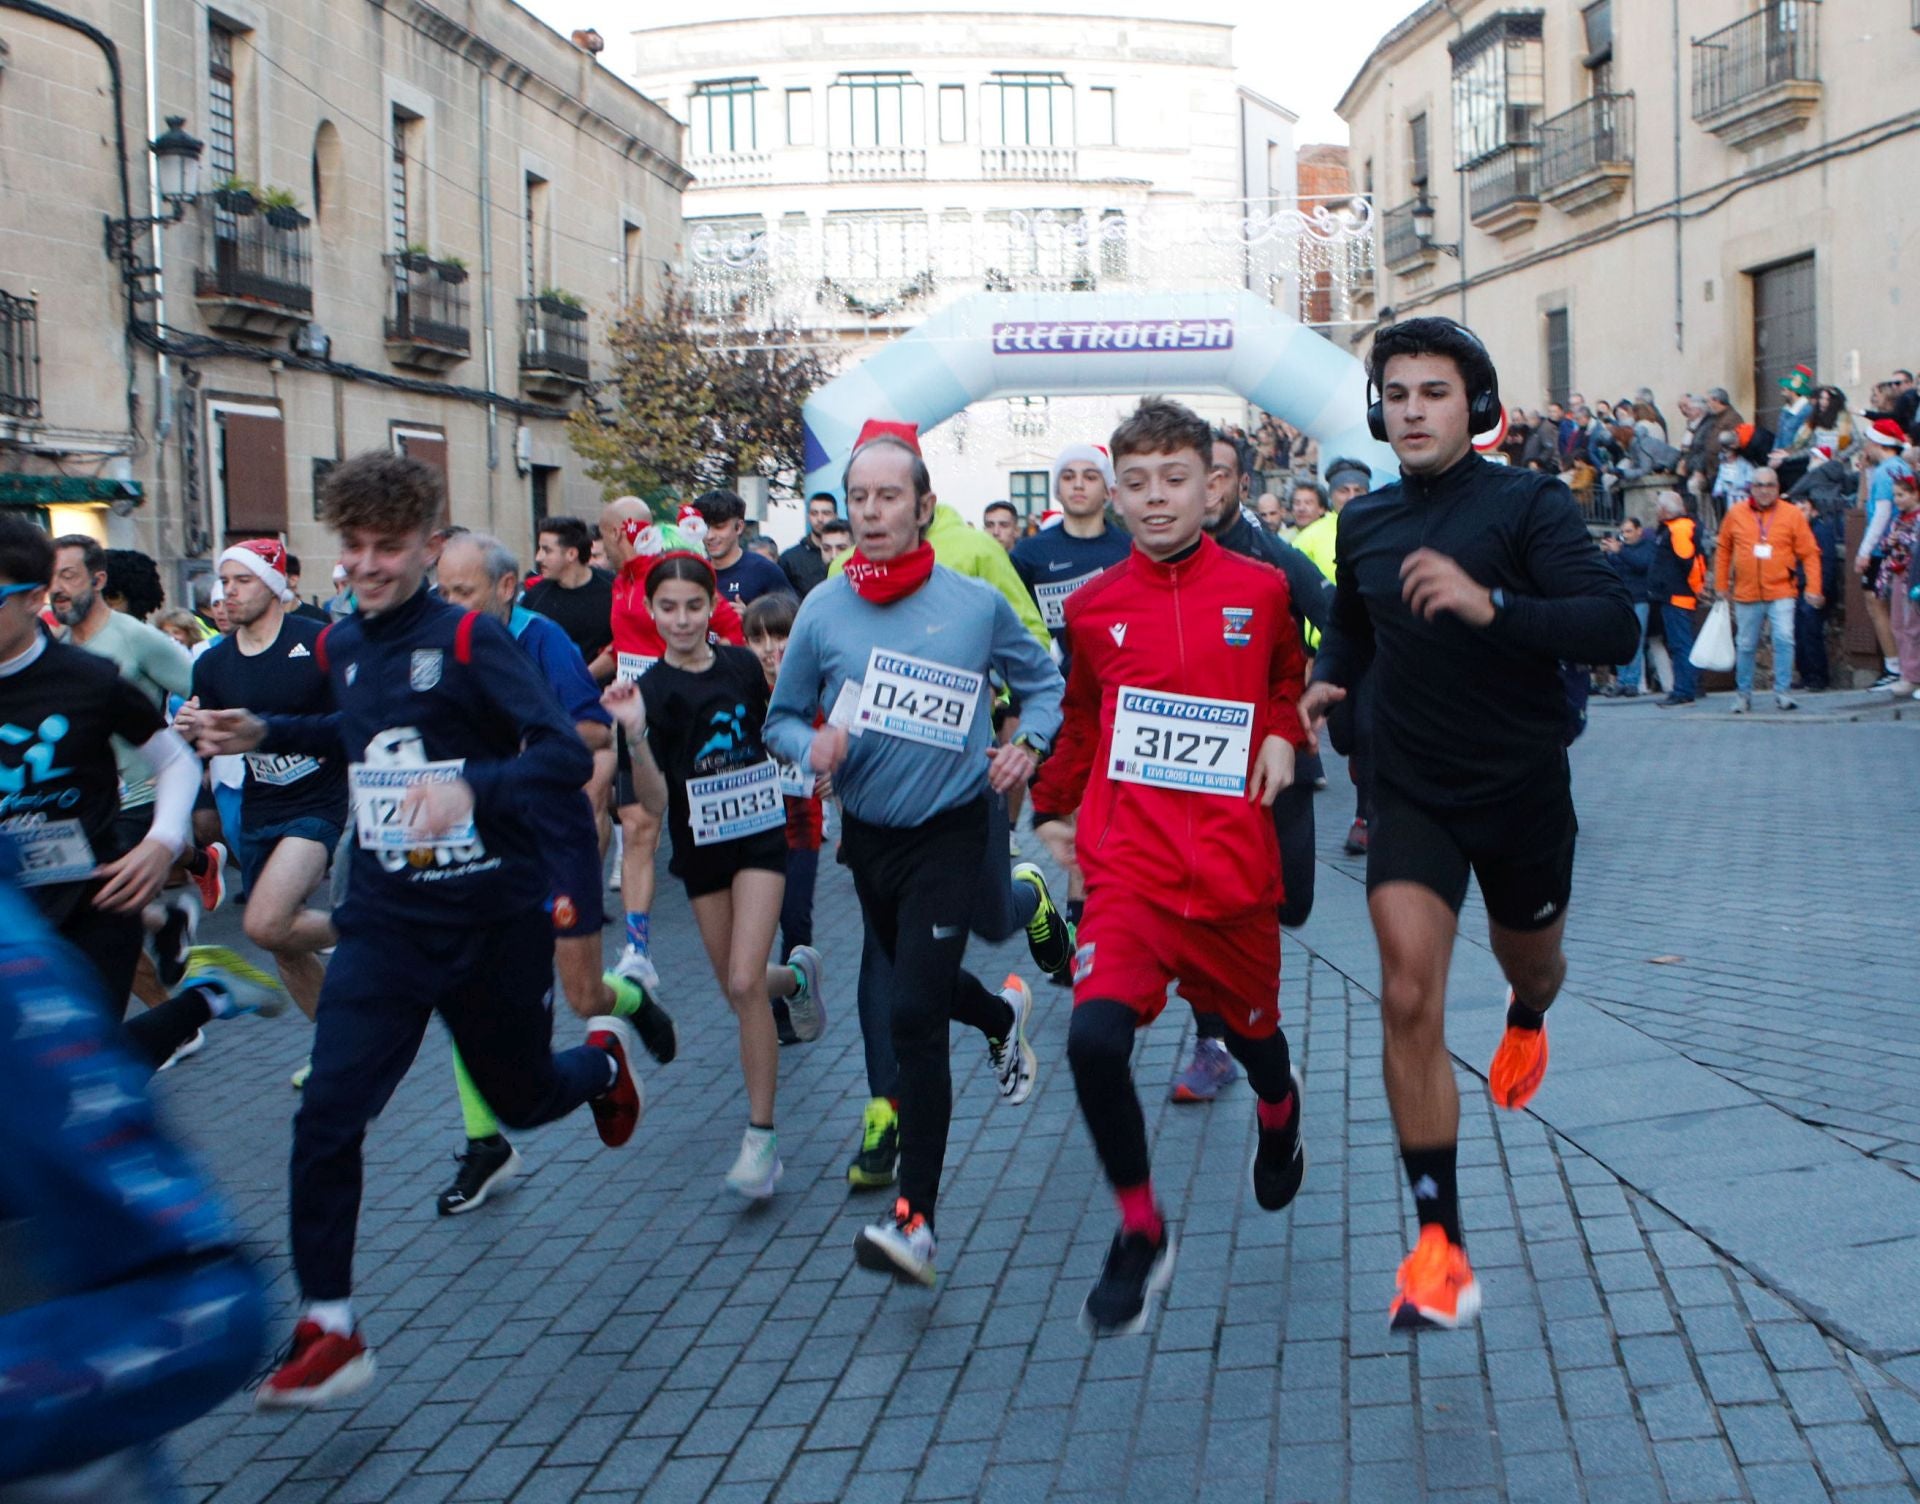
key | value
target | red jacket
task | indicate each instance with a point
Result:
(633, 628)
(1214, 625)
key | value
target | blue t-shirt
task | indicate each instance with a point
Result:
(751, 576)
(559, 659)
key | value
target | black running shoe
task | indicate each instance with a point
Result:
(1136, 1271)
(172, 943)
(1280, 1160)
(1049, 935)
(486, 1166)
(650, 1021)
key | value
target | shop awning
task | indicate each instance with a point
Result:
(65, 490)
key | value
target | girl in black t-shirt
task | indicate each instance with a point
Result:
(700, 708)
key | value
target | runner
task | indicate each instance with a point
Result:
(479, 573)
(570, 592)
(636, 648)
(912, 787)
(1001, 523)
(460, 757)
(1180, 727)
(700, 711)
(1463, 586)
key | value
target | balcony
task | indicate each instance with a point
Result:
(553, 348)
(19, 358)
(1759, 79)
(728, 169)
(1031, 163)
(1400, 246)
(428, 327)
(261, 280)
(1503, 192)
(1586, 154)
(876, 164)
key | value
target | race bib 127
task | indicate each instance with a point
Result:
(378, 793)
(918, 701)
(1183, 742)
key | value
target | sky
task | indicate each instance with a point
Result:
(1299, 53)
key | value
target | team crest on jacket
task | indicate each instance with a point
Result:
(1234, 622)
(424, 672)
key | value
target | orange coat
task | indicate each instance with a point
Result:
(1787, 540)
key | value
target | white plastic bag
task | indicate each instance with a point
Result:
(1713, 648)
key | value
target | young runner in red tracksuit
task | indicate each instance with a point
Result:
(1180, 726)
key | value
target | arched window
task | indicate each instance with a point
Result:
(327, 178)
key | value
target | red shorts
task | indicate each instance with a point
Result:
(1130, 950)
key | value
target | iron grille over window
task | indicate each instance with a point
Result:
(553, 337)
(19, 357)
(1777, 44)
(1499, 85)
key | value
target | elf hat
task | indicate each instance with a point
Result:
(1799, 381)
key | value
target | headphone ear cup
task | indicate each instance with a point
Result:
(1377, 421)
(1484, 411)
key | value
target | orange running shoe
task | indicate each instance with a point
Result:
(1518, 1065)
(1437, 1287)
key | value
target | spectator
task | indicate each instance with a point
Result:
(302, 606)
(1674, 584)
(1906, 403)
(836, 539)
(570, 592)
(1519, 430)
(1702, 459)
(743, 577)
(761, 544)
(1347, 479)
(1798, 385)
(1273, 516)
(1762, 546)
(1543, 440)
(1900, 582)
(133, 583)
(1881, 440)
(1733, 481)
(1810, 620)
(1828, 425)
(1648, 451)
(805, 563)
(1631, 555)
(1829, 485)
(341, 602)
(1002, 523)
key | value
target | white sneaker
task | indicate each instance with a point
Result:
(1012, 1058)
(187, 1051)
(807, 1009)
(1741, 704)
(758, 1169)
(1785, 702)
(900, 1244)
(637, 966)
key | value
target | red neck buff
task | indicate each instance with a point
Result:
(896, 579)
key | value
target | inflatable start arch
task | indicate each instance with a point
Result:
(1044, 344)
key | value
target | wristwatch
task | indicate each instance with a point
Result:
(1034, 745)
(1499, 599)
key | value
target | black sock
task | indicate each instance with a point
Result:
(1076, 910)
(1520, 1016)
(195, 860)
(1436, 1192)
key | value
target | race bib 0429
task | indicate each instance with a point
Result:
(1183, 742)
(739, 802)
(377, 796)
(918, 701)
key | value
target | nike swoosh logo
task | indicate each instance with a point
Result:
(1055, 568)
(945, 931)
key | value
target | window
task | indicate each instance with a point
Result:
(249, 470)
(1103, 118)
(799, 117)
(534, 226)
(889, 245)
(429, 446)
(953, 113)
(404, 206)
(1027, 490)
(633, 270)
(223, 145)
(1048, 256)
(1417, 149)
(1499, 86)
(1597, 19)
(722, 117)
(875, 109)
(1027, 109)
(1559, 356)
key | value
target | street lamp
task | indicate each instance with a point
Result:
(176, 157)
(1423, 226)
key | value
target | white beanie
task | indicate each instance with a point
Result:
(1083, 454)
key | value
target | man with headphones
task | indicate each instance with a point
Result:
(1461, 587)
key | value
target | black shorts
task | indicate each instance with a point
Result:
(1521, 851)
(711, 869)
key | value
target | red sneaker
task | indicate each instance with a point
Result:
(213, 882)
(1519, 1065)
(1436, 1286)
(320, 1367)
(617, 1110)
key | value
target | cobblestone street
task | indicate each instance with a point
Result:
(1696, 1249)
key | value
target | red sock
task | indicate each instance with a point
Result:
(1138, 1211)
(1274, 1115)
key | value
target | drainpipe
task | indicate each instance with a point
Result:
(1679, 272)
(162, 366)
(486, 282)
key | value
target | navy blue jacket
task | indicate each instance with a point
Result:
(1311, 591)
(1633, 562)
(428, 682)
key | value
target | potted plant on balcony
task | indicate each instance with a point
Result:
(235, 196)
(451, 269)
(561, 303)
(281, 209)
(416, 258)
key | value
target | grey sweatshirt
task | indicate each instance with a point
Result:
(950, 620)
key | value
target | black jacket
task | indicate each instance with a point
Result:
(803, 567)
(1469, 716)
(1633, 562)
(1312, 591)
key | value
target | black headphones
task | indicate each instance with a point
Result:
(1483, 406)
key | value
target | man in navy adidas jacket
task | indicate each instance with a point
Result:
(457, 751)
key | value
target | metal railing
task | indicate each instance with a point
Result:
(1775, 45)
(876, 164)
(1510, 176)
(1399, 243)
(1577, 141)
(553, 337)
(1043, 162)
(429, 307)
(19, 357)
(256, 259)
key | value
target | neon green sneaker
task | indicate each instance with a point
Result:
(1049, 934)
(246, 988)
(878, 1162)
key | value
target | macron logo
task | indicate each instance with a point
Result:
(299, 650)
(1119, 631)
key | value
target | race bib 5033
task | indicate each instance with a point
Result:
(739, 802)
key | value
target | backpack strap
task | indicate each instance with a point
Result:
(463, 638)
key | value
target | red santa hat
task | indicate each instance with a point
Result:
(1084, 454)
(1052, 517)
(883, 428)
(266, 557)
(1887, 433)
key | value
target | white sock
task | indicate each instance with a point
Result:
(219, 1000)
(1893, 665)
(334, 1316)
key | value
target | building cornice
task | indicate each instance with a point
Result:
(1432, 16)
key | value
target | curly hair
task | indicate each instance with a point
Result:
(135, 579)
(382, 493)
(1160, 425)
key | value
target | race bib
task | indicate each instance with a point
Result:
(1184, 742)
(630, 666)
(280, 769)
(1053, 599)
(796, 782)
(918, 701)
(377, 794)
(740, 802)
(51, 851)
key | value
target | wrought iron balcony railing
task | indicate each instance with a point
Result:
(259, 261)
(1510, 175)
(429, 319)
(553, 338)
(1777, 44)
(1399, 242)
(1582, 140)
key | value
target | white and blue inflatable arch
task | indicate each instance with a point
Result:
(1044, 344)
